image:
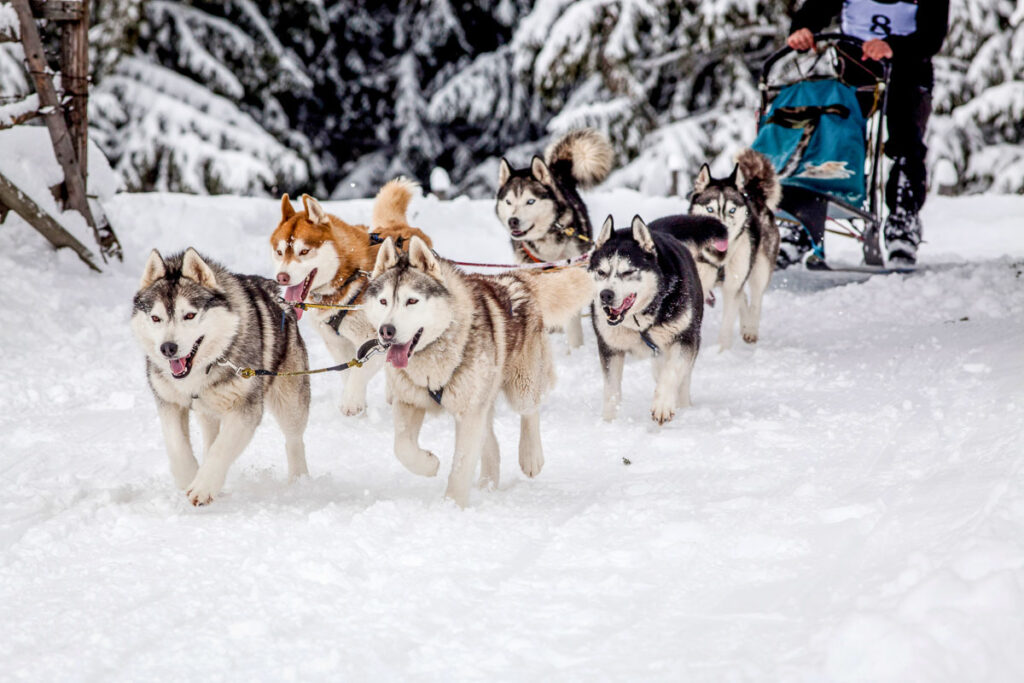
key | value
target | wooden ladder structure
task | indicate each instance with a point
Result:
(67, 121)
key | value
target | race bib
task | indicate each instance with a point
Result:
(869, 19)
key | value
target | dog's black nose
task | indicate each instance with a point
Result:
(387, 332)
(169, 349)
(283, 278)
(513, 223)
(607, 297)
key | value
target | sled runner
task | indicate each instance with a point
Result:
(820, 123)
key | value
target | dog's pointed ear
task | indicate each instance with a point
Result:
(287, 210)
(735, 176)
(540, 170)
(642, 235)
(314, 211)
(739, 179)
(703, 179)
(421, 257)
(155, 269)
(504, 172)
(195, 268)
(387, 257)
(606, 232)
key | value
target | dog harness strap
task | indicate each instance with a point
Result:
(650, 342)
(334, 322)
(375, 238)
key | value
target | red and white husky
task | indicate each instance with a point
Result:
(320, 258)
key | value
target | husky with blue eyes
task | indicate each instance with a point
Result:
(541, 207)
(745, 202)
(648, 301)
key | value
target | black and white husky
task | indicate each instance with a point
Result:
(647, 301)
(196, 323)
(541, 207)
(745, 202)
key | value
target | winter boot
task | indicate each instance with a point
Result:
(903, 226)
(794, 243)
(902, 235)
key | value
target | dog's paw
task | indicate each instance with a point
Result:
(531, 463)
(750, 337)
(661, 413)
(421, 462)
(352, 410)
(204, 487)
(352, 405)
(457, 494)
(610, 410)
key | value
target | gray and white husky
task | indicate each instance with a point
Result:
(541, 205)
(745, 202)
(647, 301)
(197, 322)
(455, 341)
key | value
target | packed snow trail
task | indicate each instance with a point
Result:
(843, 501)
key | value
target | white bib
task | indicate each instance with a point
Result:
(869, 19)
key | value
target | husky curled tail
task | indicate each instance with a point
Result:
(584, 156)
(759, 179)
(391, 202)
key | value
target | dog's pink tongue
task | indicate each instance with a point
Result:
(178, 365)
(293, 295)
(722, 245)
(626, 303)
(398, 354)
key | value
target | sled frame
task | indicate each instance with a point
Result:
(811, 209)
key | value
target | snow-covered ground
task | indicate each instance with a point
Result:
(844, 501)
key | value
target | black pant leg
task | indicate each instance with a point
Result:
(907, 113)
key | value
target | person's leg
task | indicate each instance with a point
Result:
(907, 120)
(810, 208)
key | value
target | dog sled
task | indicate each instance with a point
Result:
(820, 123)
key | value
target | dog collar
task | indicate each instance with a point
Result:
(529, 253)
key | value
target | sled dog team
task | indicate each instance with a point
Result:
(451, 341)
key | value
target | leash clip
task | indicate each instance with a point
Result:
(368, 350)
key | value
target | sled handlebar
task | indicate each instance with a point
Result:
(839, 40)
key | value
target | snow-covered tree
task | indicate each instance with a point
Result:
(14, 81)
(661, 78)
(200, 105)
(254, 96)
(422, 66)
(977, 133)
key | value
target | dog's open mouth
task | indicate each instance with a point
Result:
(399, 354)
(519, 233)
(180, 367)
(721, 245)
(616, 315)
(297, 293)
